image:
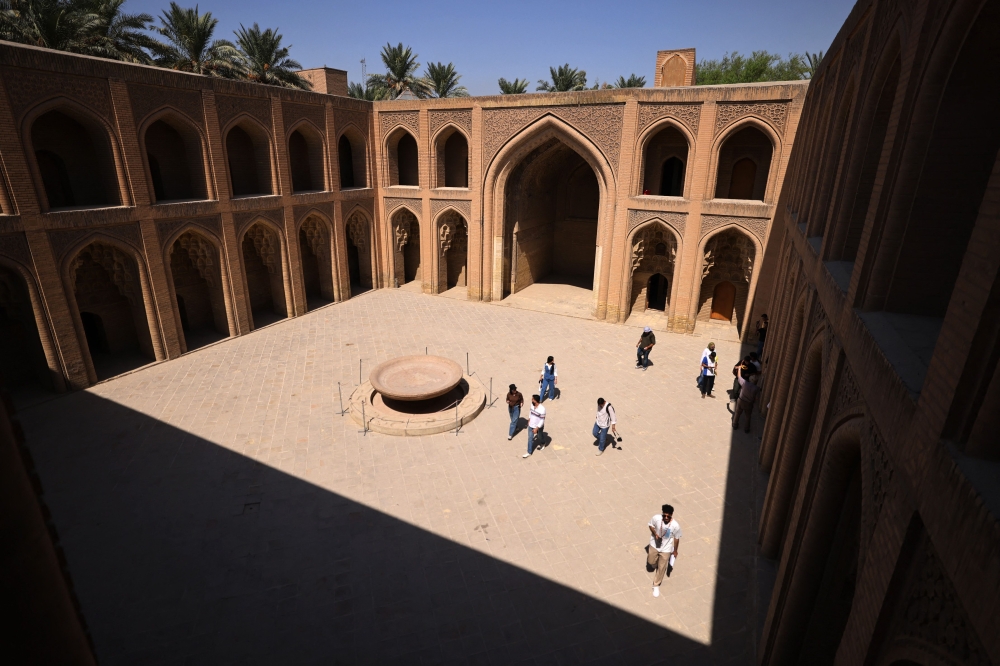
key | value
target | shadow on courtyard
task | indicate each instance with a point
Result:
(182, 551)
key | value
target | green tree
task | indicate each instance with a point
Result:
(119, 36)
(443, 80)
(633, 81)
(190, 46)
(400, 73)
(515, 87)
(564, 78)
(366, 92)
(264, 60)
(52, 24)
(759, 66)
(813, 60)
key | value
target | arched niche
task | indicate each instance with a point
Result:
(175, 159)
(315, 249)
(729, 257)
(451, 148)
(743, 165)
(305, 158)
(453, 244)
(199, 290)
(360, 263)
(652, 262)
(673, 71)
(248, 153)
(75, 159)
(264, 273)
(404, 165)
(352, 154)
(665, 161)
(406, 246)
(23, 363)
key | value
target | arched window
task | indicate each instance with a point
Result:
(453, 159)
(351, 153)
(403, 159)
(176, 163)
(346, 161)
(665, 160)
(660, 250)
(75, 160)
(249, 156)
(744, 163)
(305, 157)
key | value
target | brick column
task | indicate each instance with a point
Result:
(163, 302)
(615, 243)
(134, 171)
(479, 245)
(688, 267)
(295, 284)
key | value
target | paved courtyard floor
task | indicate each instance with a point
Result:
(216, 509)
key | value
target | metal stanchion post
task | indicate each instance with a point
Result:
(467, 370)
(458, 426)
(340, 394)
(364, 418)
(359, 371)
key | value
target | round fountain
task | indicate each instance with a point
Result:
(417, 395)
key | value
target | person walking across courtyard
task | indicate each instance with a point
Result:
(514, 403)
(536, 421)
(643, 347)
(708, 367)
(664, 545)
(549, 378)
(605, 419)
(748, 395)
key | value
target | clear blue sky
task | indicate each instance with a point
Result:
(518, 38)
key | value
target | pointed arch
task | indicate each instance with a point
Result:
(352, 153)
(403, 164)
(645, 260)
(359, 236)
(249, 157)
(174, 156)
(200, 294)
(451, 156)
(29, 341)
(727, 254)
(306, 157)
(266, 278)
(451, 249)
(315, 234)
(664, 140)
(752, 139)
(406, 245)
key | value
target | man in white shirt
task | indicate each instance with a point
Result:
(664, 544)
(605, 419)
(536, 421)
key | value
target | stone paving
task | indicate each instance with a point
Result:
(216, 508)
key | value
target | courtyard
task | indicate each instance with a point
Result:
(218, 509)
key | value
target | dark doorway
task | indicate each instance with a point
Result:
(185, 325)
(197, 280)
(744, 162)
(265, 281)
(55, 178)
(354, 267)
(406, 156)
(656, 292)
(723, 300)
(317, 269)
(22, 360)
(742, 180)
(456, 161)
(249, 159)
(93, 330)
(672, 181)
(298, 159)
(411, 253)
(346, 160)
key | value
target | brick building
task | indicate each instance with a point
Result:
(881, 384)
(147, 212)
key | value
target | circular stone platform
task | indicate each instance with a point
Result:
(422, 417)
(412, 378)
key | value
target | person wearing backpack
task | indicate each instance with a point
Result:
(605, 419)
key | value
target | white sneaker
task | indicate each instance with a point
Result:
(526, 455)
(656, 591)
(509, 438)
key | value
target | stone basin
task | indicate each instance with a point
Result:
(417, 377)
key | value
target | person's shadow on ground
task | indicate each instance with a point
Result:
(522, 423)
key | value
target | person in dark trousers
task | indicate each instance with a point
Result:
(748, 396)
(606, 418)
(536, 421)
(761, 335)
(708, 367)
(514, 403)
(643, 347)
(750, 364)
(549, 378)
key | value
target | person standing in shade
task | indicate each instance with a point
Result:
(708, 366)
(514, 403)
(750, 365)
(549, 378)
(761, 335)
(536, 421)
(643, 347)
(748, 395)
(664, 545)
(605, 419)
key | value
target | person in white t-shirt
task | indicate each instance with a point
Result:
(664, 544)
(536, 421)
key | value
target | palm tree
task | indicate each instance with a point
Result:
(53, 24)
(119, 36)
(565, 78)
(515, 87)
(813, 60)
(400, 68)
(367, 92)
(191, 47)
(264, 60)
(633, 81)
(443, 80)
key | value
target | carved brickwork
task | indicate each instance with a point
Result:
(601, 124)
(15, 246)
(326, 208)
(775, 113)
(877, 473)
(451, 226)
(62, 241)
(392, 203)
(755, 225)
(886, 15)
(852, 53)
(167, 228)
(201, 252)
(403, 223)
(357, 230)
(293, 113)
(460, 117)
(676, 221)
(464, 207)
(654, 249)
(120, 268)
(344, 117)
(848, 394)
(408, 119)
(242, 220)
(27, 88)
(229, 107)
(729, 256)
(688, 114)
(315, 233)
(268, 247)
(147, 99)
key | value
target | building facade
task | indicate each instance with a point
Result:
(147, 212)
(881, 380)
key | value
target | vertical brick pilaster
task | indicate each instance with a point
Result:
(616, 254)
(479, 283)
(169, 328)
(22, 198)
(132, 168)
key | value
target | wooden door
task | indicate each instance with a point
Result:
(723, 300)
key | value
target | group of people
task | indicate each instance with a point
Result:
(745, 382)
